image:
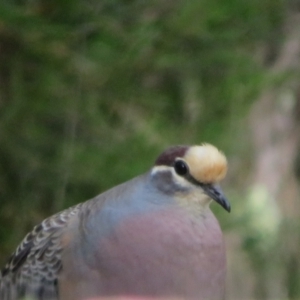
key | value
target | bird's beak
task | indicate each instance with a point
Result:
(215, 192)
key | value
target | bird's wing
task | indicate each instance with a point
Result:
(32, 270)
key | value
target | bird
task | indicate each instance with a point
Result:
(152, 236)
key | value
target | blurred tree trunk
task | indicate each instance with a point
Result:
(275, 138)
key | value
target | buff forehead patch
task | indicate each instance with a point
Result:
(206, 163)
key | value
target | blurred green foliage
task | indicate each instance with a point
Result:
(91, 91)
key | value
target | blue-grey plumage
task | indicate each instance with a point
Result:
(153, 235)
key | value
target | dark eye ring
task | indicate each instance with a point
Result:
(181, 167)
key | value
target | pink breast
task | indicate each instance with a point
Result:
(166, 253)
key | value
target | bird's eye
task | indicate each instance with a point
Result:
(181, 167)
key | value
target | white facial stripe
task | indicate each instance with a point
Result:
(157, 169)
(194, 196)
(177, 178)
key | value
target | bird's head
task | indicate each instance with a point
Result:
(192, 174)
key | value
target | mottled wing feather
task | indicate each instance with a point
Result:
(32, 270)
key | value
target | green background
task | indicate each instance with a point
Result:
(92, 91)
